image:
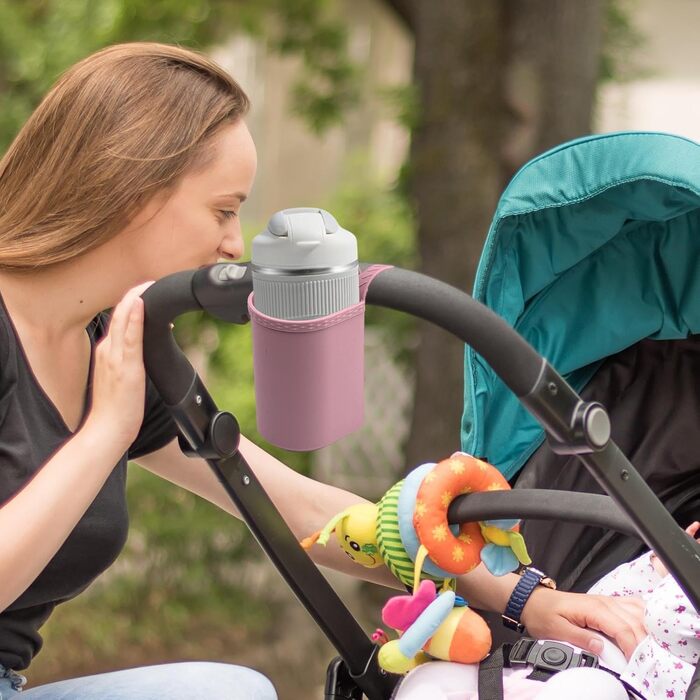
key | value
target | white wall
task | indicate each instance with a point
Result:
(668, 97)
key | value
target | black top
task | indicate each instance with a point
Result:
(31, 431)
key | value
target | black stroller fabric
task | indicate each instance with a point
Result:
(651, 393)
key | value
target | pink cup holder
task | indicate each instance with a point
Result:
(309, 375)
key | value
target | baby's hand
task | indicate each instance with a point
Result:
(660, 569)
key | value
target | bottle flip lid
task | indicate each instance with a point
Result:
(308, 239)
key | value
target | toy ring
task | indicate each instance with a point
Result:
(407, 503)
(452, 477)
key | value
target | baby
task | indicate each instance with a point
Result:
(663, 663)
(660, 667)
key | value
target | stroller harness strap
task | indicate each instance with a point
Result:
(547, 658)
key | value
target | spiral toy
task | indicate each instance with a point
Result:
(408, 531)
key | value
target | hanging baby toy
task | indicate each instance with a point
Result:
(408, 531)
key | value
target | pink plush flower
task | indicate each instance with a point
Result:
(401, 611)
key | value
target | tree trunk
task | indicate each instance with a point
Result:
(553, 67)
(455, 181)
(498, 81)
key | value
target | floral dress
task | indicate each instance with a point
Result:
(663, 662)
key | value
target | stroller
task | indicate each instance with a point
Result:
(594, 258)
(590, 259)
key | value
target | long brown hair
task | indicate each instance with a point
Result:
(117, 128)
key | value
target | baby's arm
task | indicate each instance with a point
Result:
(692, 531)
(638, 577)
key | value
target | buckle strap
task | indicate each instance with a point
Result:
(546, 659)
(491, 673)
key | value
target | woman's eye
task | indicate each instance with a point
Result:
(228, 214)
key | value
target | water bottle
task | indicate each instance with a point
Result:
(308, 330)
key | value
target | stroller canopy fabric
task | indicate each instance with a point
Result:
(595, 245)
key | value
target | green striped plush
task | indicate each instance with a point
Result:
(389, 539)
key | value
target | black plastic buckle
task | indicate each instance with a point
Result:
(550, 657)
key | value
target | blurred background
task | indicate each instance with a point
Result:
(406, 120)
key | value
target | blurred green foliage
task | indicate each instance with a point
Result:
(621, 43)
(383, 222)
(41, 38)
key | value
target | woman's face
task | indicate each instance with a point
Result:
(199, 223)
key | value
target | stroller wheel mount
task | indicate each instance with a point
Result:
(573, 427)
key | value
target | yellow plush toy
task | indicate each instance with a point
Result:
(356, 531)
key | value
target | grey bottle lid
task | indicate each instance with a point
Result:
(303, 238)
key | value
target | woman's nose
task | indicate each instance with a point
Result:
(232, 247)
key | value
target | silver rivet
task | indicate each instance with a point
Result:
(245, 480)
(552, 387)
(198, 400)
(624, 475)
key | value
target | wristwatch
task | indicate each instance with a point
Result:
(530, 578)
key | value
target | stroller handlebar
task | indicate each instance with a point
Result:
(541, 504)
(513, 359)
(165, 363)
(572, 425)
(222, 290)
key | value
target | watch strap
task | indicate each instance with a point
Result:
(529, 580)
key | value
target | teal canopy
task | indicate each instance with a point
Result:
(595, 245)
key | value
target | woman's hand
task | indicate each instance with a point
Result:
(575, 617)
(119, 379)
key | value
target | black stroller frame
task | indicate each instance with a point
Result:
(573, 426)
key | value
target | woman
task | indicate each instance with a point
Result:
(134, 166)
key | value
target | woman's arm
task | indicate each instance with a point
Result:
(37, 521)
(40, 517)
(308, 505)
(305, 504)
